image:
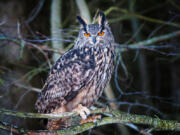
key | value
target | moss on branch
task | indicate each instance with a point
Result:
(114, 117)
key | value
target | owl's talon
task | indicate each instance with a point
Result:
(91, 119)
(83, 115)
(83, 111)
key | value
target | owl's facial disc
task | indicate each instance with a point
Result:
(94, 33)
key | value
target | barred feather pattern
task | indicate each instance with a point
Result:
(81, 74)
(81, 69)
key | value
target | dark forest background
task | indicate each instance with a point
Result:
(146, 79)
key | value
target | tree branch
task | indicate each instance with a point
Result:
(84, 10)
(148, 42)
(156, 39)
(129, 15)
(49, 116)
(113, 117)
(122, 46)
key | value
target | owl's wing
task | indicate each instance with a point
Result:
(67, 77)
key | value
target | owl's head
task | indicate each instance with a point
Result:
(94, 34)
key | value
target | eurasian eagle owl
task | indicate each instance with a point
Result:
(79, 77)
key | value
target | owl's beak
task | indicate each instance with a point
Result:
(94, 40)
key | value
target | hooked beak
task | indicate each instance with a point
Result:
(94, 40)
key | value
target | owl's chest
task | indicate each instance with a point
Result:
(102, 64)
(102, 75)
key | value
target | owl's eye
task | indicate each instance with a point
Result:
(87, 34)
(101, 33)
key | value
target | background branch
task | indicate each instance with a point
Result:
(55, 27)
(84, 10)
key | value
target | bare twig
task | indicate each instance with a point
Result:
(148, 42)
(156, 39)
(9, 128)
(129, 15)
(123, 47)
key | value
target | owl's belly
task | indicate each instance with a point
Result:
(89, 95)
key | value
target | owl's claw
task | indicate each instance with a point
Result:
(83, 111)
(92, 119)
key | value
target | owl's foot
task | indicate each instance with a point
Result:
(82, 110)
(91, 119)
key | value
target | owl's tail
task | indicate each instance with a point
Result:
(54, 124)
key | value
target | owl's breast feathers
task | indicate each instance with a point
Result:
(78, 77)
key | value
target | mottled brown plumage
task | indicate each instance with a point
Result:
(79, 77)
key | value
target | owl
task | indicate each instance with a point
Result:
(79, 77)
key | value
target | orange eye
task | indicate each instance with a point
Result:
(101, 33)
(87, 34)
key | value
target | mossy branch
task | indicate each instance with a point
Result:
(114, 116)
(49, 116)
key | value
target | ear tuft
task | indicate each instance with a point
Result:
(102, 18)
(82, 21)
